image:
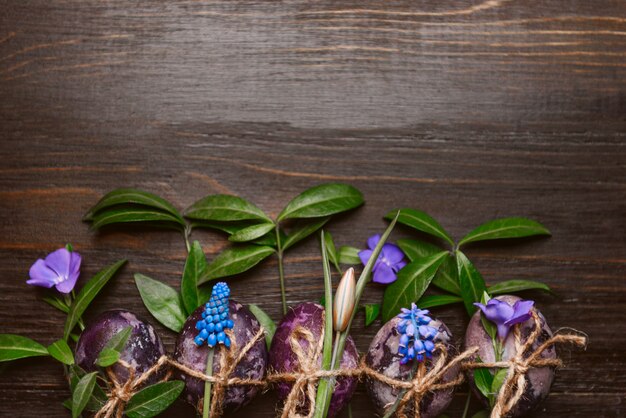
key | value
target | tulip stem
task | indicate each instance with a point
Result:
(206, 404)
(281, 273)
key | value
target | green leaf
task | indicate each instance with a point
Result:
(372, 310)
(471, 282)
(61, 352)
(414, 249)
(252, 232)
(133, 214)
(56, 303)
(87, 294)
(97, 399)
(482, 414)
(511, 286)
(323, 200)
(153, 400)
(331, 250)
(163, 302)
(235, 260)
(265, 320)
(498, 380)
(13, 347)
(107, 357)
(505, 228)
(110, 354)
(412, 282)
(118, 341)
(447, 275)
(431, 301)
(302, 230)
(227, 227)
(133, 197)
(348, 255)
(82, 393)
(195, 266)
(222, 207)
(421, 221)
(483, 380)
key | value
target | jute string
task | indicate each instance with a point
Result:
(424, 380)
(525, 358)
(121, 393)
(306, 377)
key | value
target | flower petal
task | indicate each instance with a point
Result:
(521, 312)
(41, 275)
(373, 241)
(384, 274)
(497, 311)
(365, 256)
(59, 261)
(392, 253)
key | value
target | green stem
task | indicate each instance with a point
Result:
(186, 234)
(467, 404)
(206, 405)
(281, 273)
(350, 410)
(324, 387)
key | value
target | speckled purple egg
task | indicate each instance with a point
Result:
(252, 366)
(142, 350)
(383, 357)
(538, 380)
(283, 359)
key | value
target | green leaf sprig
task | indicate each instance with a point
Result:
(449, 269)
(259, 235)
(256, 235)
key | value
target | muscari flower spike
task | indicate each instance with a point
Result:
(416, 335)
(215, 318)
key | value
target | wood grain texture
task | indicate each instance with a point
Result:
(466, 109)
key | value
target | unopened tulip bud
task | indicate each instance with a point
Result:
(344, 301)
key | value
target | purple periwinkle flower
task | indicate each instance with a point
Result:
(390, 260)
(504, 315)
(60, 268)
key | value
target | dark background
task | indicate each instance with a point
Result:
(468, 110)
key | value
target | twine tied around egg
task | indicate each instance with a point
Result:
(121, 393)
(305, 379)
(525, 358)
(424, 381)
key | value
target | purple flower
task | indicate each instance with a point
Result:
(390, 260)
(61, 268)
(504, 315)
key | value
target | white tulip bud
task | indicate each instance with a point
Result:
(344, 301)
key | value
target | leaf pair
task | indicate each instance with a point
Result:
(245, 222)
(133, 206)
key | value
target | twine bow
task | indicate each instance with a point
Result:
(424, 381)
(515, 382)
(305, 379)
(121, 393)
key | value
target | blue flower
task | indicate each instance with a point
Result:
(215, 318)
(61, 269)
(416, 335)
(390, 260)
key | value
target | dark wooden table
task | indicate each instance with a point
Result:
(466, 109)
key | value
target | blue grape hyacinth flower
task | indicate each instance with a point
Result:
(215, 318)
(416, 335)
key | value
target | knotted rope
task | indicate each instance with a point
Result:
(515, 382)
(424, 381)
(121, 393)
(305, 379)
